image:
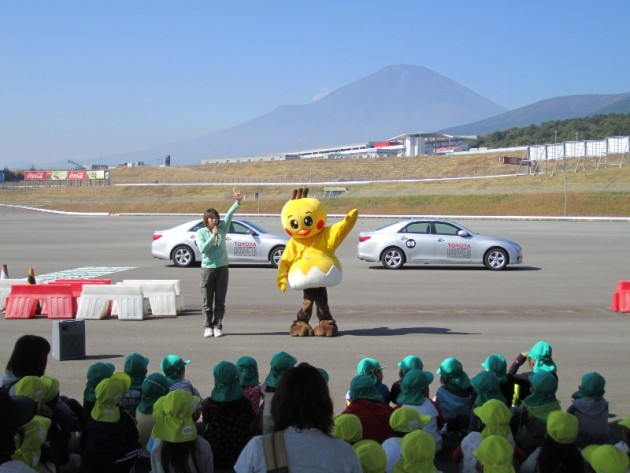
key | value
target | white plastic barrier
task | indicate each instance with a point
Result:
(165, 295)
(128, 301)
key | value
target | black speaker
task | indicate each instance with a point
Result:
(68, 339)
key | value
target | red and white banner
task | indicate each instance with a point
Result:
(37, 175)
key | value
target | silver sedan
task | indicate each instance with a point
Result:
(246, 242)
(436, 241)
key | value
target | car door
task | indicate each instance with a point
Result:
(418, 241)
(242, 243)
(450, 246)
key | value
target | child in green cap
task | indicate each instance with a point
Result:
(111, 434)
(136, 368)
(408, 363)
(367, 404)
(176, 445)
(530, 419)
(591, 409)
(250, 383)
(455, 396)
(227, 415)
(558, 453)
(280, 363)
(402, 421)
(96, 373)
(154, 386)
(539, 358)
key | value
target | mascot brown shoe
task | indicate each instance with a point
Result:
(301, 329)
(326, 328)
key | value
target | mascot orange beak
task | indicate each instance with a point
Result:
(304, 232)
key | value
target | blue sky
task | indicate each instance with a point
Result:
(84, 79)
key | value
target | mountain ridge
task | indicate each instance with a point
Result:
(394, 100)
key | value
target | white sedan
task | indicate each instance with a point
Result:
(246, 242)
(436, 241)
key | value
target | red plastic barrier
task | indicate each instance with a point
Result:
(624, 296)
(23, 298)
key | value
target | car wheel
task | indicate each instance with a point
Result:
(495, 259)
(182, 256)
(393, 258)
(276, 255)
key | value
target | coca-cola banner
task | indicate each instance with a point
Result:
(36, 175)
(77, 175)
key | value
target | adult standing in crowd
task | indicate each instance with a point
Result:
(214, 266)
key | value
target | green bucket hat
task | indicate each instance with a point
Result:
(173, 416)
(496, 417)
(227, 386)
(369, 366)
(136, 368)
(495, 454)
(31, 387)
(541, 354)
(486, 386)
(453, 373)
(591, 385)
(496, 364)
(412, 387)
(171, 366)
(248, 371)
(109, 394)
(95, 374)
(371, 455)
(606, 458)
(347, 427)
(408, 419)
(562, 427)
(154, 387)
(417, 453)
(410, 362)
(281, 362)
(52, 388)
(363, 387)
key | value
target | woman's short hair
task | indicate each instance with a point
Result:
(210, 213)
(302, 400)
(29, 357)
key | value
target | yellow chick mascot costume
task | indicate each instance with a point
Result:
(309, 263)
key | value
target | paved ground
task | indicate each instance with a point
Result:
(562, 294)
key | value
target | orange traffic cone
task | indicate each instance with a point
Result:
(5, 272)
(31, 280)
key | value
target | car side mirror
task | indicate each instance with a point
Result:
(462, 233)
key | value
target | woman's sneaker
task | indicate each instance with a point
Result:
(217, 332)
(207, 332)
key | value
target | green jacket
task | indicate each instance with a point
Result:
(215, 256)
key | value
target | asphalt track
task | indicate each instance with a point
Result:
(561, 294)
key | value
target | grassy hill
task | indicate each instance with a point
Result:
(475, 184)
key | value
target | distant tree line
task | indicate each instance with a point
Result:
(595, 127)
(12, 176)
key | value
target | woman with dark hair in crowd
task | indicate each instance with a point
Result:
(302, 411)
(29, 358)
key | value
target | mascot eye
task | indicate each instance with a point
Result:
(308, 221)
(294, 224)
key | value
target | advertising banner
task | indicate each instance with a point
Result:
(36, 175)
